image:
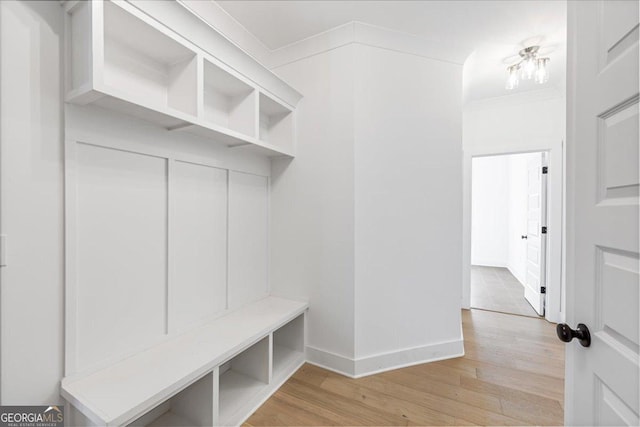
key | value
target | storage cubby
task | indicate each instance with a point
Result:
(241, 379)
(144, 64)
(193, 406)
(228, 101)
(276, 123)
(288, 346)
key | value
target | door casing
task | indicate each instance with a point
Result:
(555, 221)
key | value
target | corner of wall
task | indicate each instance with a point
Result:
(370, 365)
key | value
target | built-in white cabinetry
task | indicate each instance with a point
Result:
(120, 58)
(217, 374)
(168, 318)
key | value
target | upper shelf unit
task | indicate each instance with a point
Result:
(120, 58)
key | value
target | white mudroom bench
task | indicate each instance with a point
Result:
(216, 374)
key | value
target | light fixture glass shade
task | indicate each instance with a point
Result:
(528, 68)
(542, 70)
(512, 78)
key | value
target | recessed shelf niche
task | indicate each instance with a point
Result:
(228, 101)
(241, 379)
(288, 346)
(193, 406)
(146, 64)
(276, 123)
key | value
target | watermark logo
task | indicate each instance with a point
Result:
(31, 416)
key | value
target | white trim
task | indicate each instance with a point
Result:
(70, 245)
(215, 15)
(365, 34)
(331, 361)
(512, 99)
(369, 365)
(487, 262)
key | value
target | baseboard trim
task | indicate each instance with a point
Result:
(331, 361)
(517, 276)
(364, 366)
(488, 263)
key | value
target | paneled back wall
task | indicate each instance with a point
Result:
(164, 232)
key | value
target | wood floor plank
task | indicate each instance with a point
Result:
(512, 374)
(359, 412)
(391, 402)
(457, 393)
(389, 393)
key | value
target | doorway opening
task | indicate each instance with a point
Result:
(509, 233)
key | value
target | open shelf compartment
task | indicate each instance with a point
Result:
(276, 123)
(143, 63)
(228, 101)
(192, 406)
(241, 380)
(288, 347)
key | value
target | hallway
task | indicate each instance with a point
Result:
(496, 289)
(512, 374)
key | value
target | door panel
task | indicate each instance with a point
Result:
(536, 241)
(603, 261)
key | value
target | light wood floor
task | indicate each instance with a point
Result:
(512, 374)
(496, 289)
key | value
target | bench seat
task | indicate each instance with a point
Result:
(126, 390)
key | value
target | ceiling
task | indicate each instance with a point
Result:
(486, 32)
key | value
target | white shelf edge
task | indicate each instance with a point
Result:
(259, 145)
(79, 96)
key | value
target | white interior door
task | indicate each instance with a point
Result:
(535, 286)
(602, 287)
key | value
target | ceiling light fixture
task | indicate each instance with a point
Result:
(529, 67)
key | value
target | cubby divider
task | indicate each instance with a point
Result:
(288, 347)
(228, 101)
(242, 378)
(193, 406)
(276, 123)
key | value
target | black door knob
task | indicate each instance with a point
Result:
(566, 334)
(523, 237)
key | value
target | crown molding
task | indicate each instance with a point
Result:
(518, 98)
(216, 16)
(365, 34)
(213, 15)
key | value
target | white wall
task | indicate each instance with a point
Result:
(525, 122)
(31, 209)
(366, 219)
(312, 205)
(490, 211)
(407, 208)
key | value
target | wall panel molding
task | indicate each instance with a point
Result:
(192, 160)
